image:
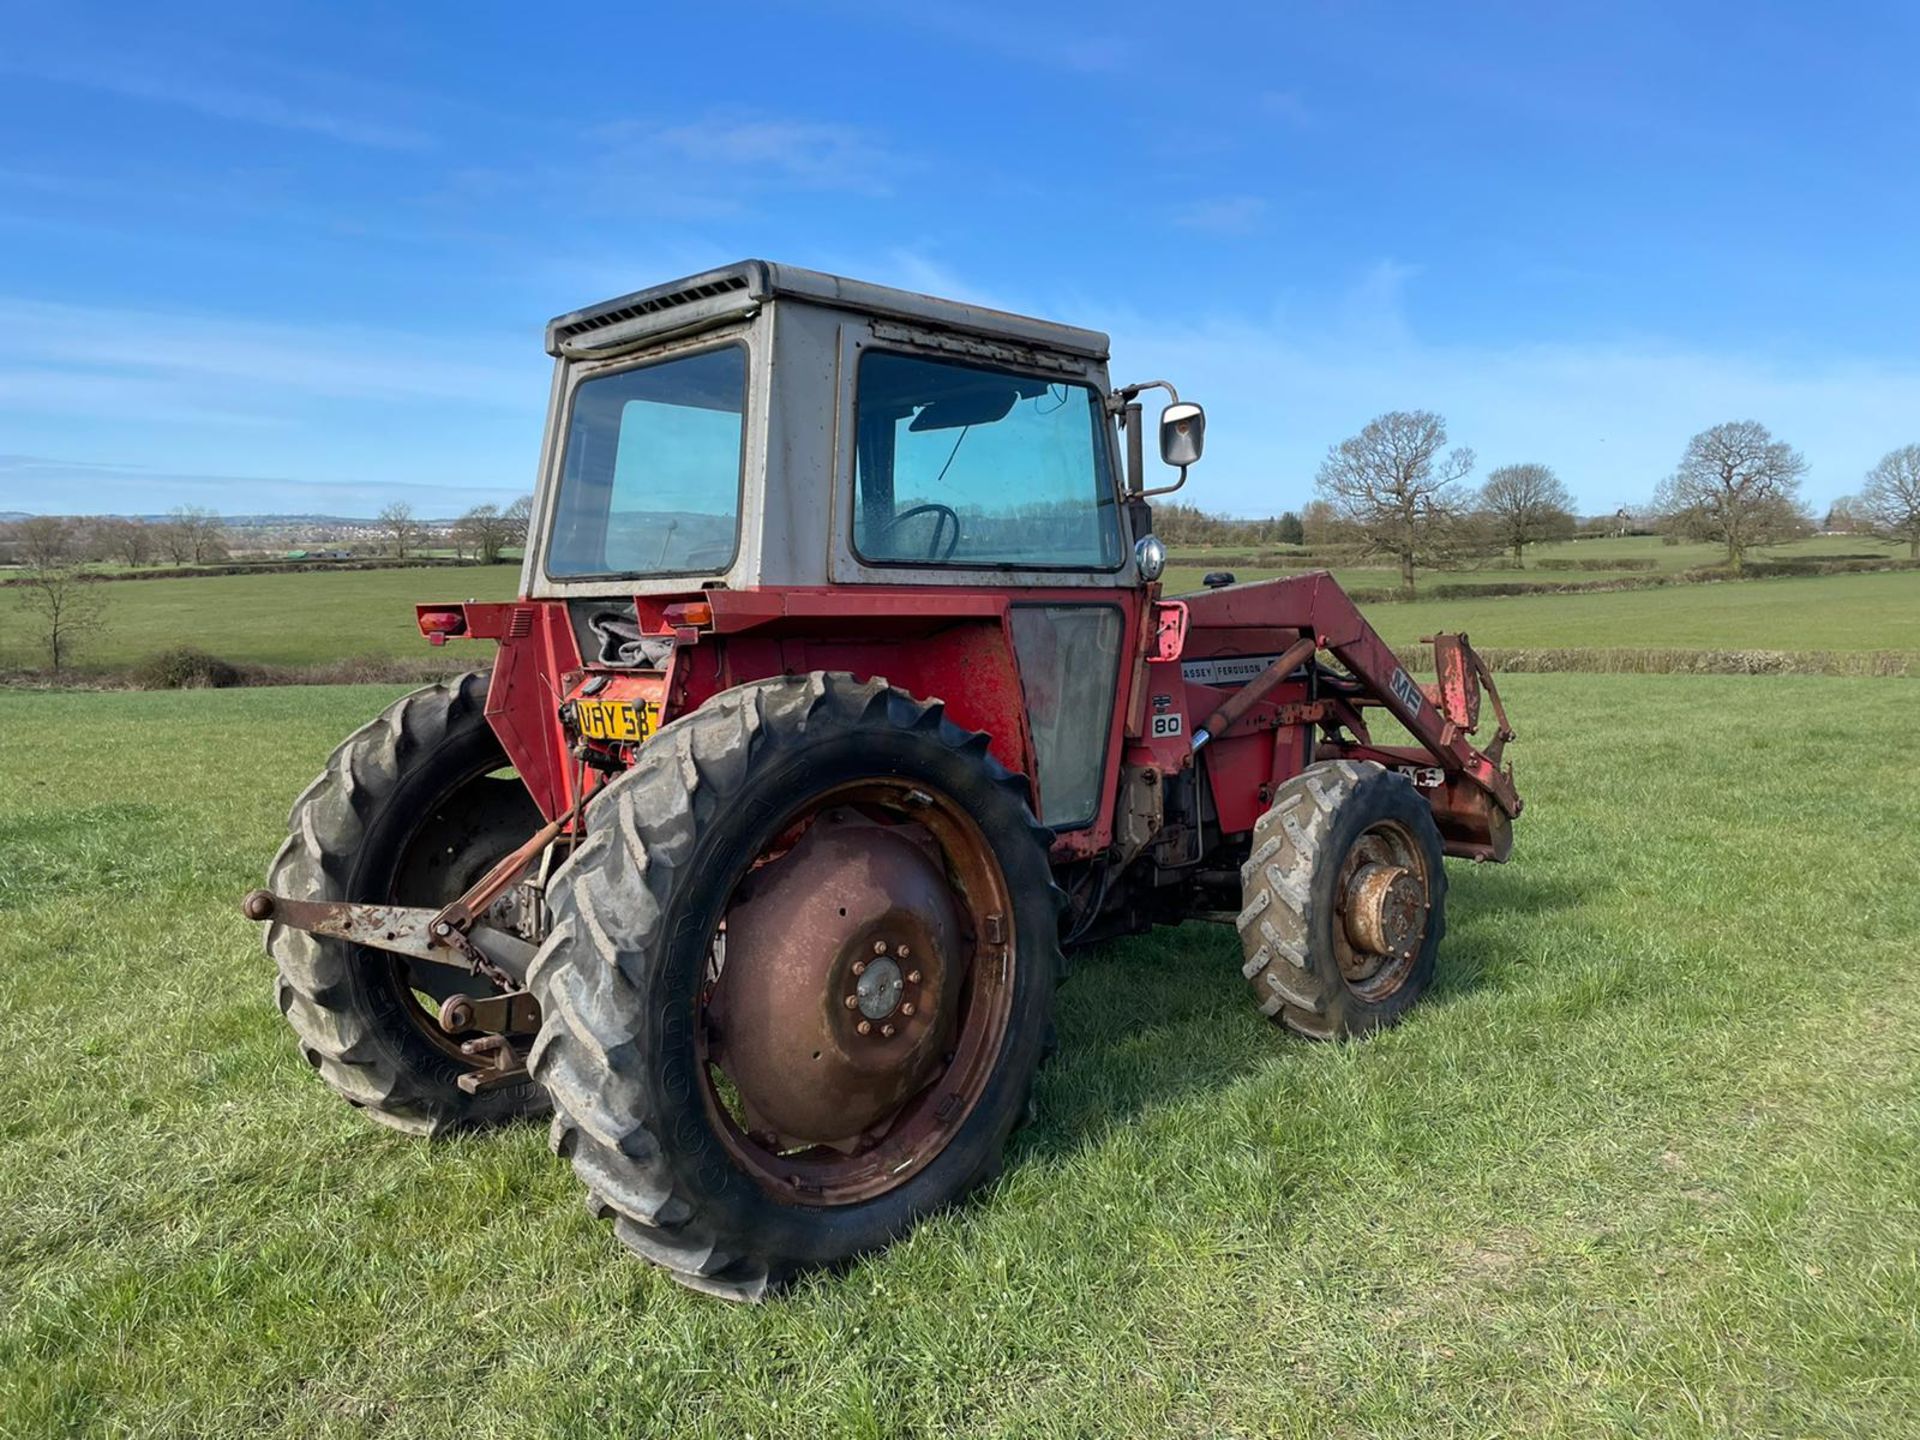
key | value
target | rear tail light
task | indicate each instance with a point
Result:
(437, 625)
(689, 613)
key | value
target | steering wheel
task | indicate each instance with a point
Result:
(944, 512)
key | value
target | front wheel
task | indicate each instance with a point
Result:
(799, 980)
(1344, 900)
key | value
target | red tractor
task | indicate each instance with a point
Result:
(841, 701)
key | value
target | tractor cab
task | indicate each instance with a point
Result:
(768, 426)
(774, 458)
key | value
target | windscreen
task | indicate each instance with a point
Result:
(650, 477)
(975, 467)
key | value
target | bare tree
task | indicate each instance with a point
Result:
(129, 541)
(44, 542)
(403, 531)
(1392, 485)
(1736, 486)
(1891, 499)
(517, 516)
(1524, 504)
(194, 536)
(485, 531)
(175, 541)
(64, 606)
(1321, 526)
(1843, 516)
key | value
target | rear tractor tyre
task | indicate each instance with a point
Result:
(799, 980)
(1344, 900)
(410, 810)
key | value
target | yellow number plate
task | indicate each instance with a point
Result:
(622, 721)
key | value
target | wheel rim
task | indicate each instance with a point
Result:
(1384, 904)
(457, 840)
(835, 1066)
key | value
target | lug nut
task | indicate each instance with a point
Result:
(903, 952)
(907, 1009)
(853, 1002)
(859, 967)
(865, 1027)
(887, 1030)
(913, 977)
(879, 947)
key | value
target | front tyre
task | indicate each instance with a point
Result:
(798, 982)
(1344, 900)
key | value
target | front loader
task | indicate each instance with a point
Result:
(840, 702)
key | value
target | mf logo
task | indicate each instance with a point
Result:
(1406, 692)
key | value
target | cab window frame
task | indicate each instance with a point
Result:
(1109, 495)
(565, 435)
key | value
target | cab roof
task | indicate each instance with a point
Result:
(735, 291)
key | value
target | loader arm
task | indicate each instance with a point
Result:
(1440, 718)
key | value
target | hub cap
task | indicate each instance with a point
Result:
(808, 1006)
(1382, 897)
(859, 993)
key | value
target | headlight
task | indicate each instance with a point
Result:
(1150, 555)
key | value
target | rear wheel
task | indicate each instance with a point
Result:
(1344, 900)
(798, 982)
(412, 809)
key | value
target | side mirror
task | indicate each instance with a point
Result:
(1183, 434)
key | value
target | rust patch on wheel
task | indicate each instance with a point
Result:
(1383, 894)
(861, 986)
(836, 999)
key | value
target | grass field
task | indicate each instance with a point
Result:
(314, 618)
(301, 618)
(1826, 612)
(1627, 558)
(1644, 1163)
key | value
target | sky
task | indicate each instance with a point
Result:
(299, 258)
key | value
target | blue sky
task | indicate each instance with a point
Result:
(298, 257)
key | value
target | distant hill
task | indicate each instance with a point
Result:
(248, 522)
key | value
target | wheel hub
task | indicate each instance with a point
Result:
(842, 964)
(1385, 914)
(877, 993)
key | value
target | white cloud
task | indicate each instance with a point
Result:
(704, 165)
(1224, 215)
(41, 484)
(192, 87)
(54, 353)
(1287, 105)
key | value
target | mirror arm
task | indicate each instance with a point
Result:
(1134, 419)
(1126, 394)
(1125, 402)
(1165, 489)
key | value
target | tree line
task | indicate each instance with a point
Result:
(1397, 491)
(63, 607)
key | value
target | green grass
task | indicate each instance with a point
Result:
(316, 617)
(1828, 612)
(1643, 1164)
(1692, 555)
(297, 618)
(1190, 562)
